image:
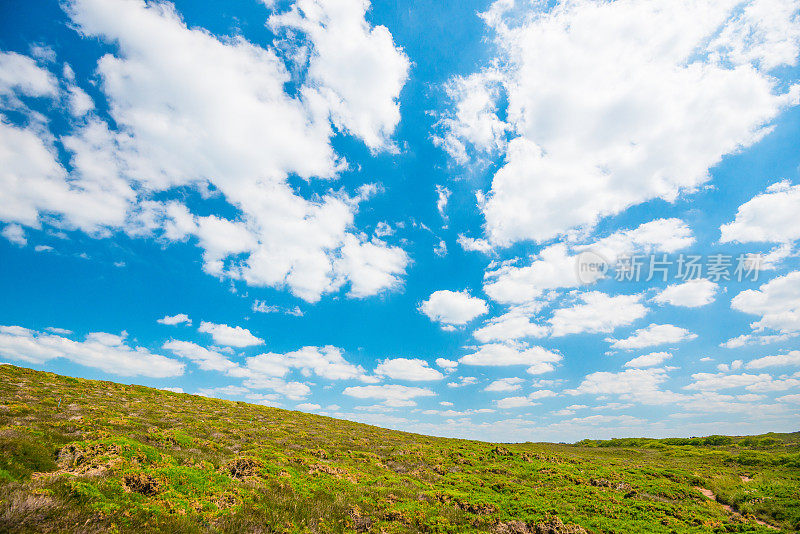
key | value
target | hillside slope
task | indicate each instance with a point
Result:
(88, 456)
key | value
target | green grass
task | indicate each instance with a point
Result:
(87, 456)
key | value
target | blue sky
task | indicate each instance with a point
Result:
(381, 212)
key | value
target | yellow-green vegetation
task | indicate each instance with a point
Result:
(84, 456)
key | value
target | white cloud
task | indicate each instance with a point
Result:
(522, 402)
(777, 301)
(639, 385)
(308, 407)
(453, 307)
(207, 360)
(223, 391)
(407, 369)
(474, 122)
(230, 336)
(514, 402)
(649, 360)
(505, 384)
(757, 383)
(291, 390)
(229, 90)
(511, 326)
(651, 336)
(107, 352)
(734, 365)
(261, 306)
(326, 362)
(354, 69)
(616, 123)
(691, 294)
(371, 265)
(471, 244)
(598, 313)
(768, 217)
(180, 318)
(790, 358)
(463, 381)
(21, 74)
(447, 365)
(538, 359)
(80, 103)
(61, 331)
(755, 339)
(391, 394)
(16, 234)
(772, 259)
(557, 266)
(442, 196)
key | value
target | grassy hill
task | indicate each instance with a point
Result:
(85, 456)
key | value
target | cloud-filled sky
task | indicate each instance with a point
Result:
(501, 220)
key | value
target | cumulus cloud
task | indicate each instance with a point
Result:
(15, 234)
(180, 318)
(230, 336)
(790, 358)
(393, 395)
(463, 381)
(598, 312)
(649, 360)
(453, 308)
(442, 197)
(407, 369)
(751, 382)
(354, 69)
(639, 385)
(223, 391)
(777, 302)
(617, 123)
(651, 336)
(207, 360)
(108, 352)
(254, 136)
(538, 359)
(557, 266)
(513, 325)
(20, 74)
(522, 402)
(505, 384)
(471, 244)
(768, 217)
(514, 402)
(691, 294)
(447, 365)
(755, 339)
(326, 362)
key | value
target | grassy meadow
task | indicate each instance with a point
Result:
(89, 456)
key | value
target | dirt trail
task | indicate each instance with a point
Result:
(710, 494)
